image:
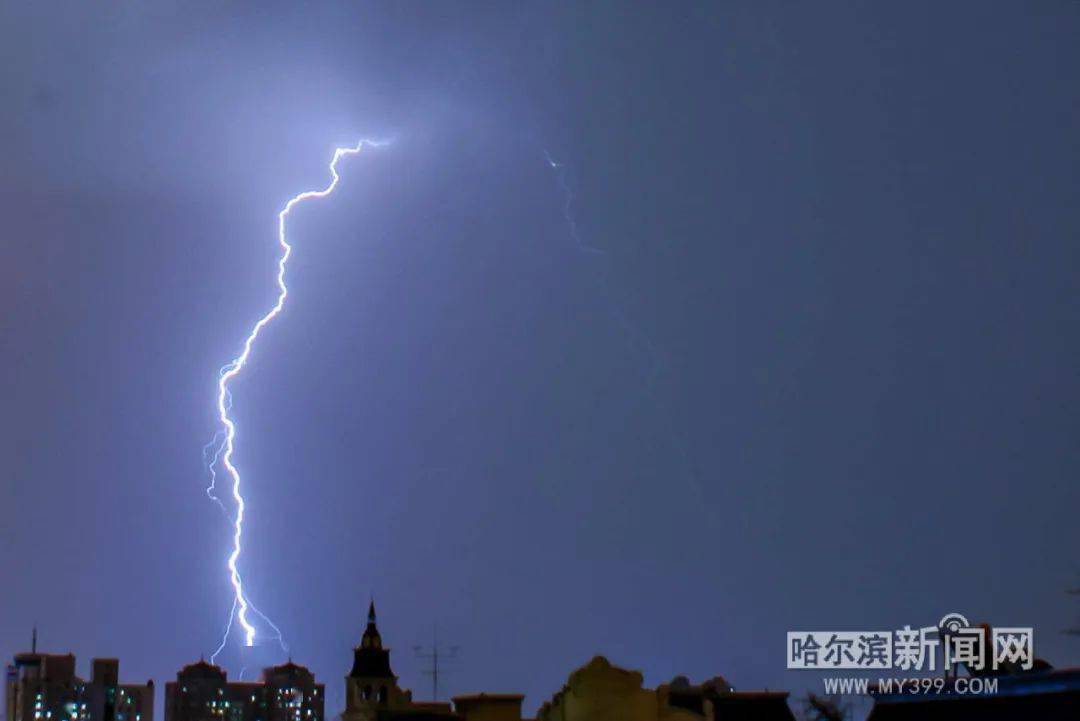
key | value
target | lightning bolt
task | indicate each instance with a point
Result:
(636, 336)
(221, 449)
(228, 630)
(211, 453)
(649, 350)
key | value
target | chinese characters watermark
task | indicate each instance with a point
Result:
(914, 649)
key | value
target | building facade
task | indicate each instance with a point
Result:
(45, 687)
(203, 692)
(489, 707)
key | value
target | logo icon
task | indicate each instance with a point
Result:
(952, 623)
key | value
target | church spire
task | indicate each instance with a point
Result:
(370, 659)
(371, 638)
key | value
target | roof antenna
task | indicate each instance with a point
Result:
(433, 656)
(33, 640)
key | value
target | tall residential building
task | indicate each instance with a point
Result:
(44, 687)
(202, 692)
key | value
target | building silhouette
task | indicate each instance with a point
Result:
(600, 691)
(372, 692)
(597, 691)
(202, 692)
(44, 687)
(489, 706)
(371, 684)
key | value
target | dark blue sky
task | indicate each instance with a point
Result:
(844, 238)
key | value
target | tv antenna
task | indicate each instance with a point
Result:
(434, 654)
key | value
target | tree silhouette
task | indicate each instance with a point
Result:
(823, 708)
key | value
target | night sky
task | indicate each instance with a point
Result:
(811, 362)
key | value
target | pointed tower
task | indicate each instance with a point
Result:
(370, 659)
(372, 685)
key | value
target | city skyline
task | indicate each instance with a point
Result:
(657, 331)
(45, 687)
(973, 675)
